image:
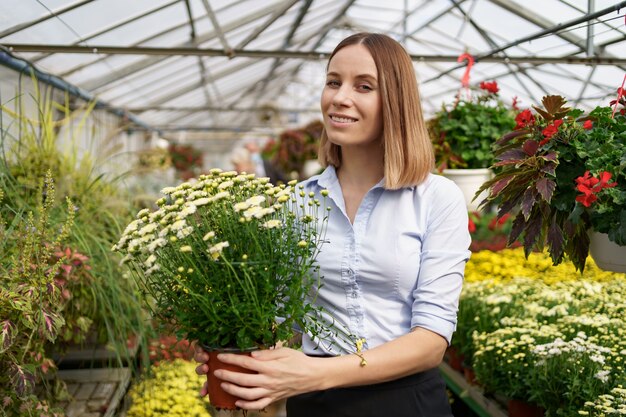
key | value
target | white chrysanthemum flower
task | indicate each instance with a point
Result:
(217, 249)
(264, 212)
(134, 245)
(142, 212)
(283, 199)
(185, 248)
(183, 233)
(149, 228)
(132, 226)
(163, 232)
(179, 225)
(208, 236)
(256, 200)
(157, 243)
(201, 201)
(188, 209)
(251, 212)
(215, 171)
(225, 185)
(284, 192)
(241, 206)
(168, 190)
(152, 269)
(602, 375)
(271, 224)
(221, 195)
(197, 195)
(150, 261)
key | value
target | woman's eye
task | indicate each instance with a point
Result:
(365, 87)
(332, 83)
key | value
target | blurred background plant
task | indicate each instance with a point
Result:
(186, 159)
(294, 148)
(464, 133)
(100, 301)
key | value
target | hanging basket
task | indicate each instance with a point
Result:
(469, 181)
(606, 254)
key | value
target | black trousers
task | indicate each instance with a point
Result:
(420, 395)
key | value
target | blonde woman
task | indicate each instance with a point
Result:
(393, 267)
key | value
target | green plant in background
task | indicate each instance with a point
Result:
(464, 134)
(31, 302)
(294, 147)
(223, 257)
(562, 174)
(171, 390)
(32, 146)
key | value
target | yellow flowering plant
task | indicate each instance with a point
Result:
(228, 259)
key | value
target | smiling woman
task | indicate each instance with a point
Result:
(396, 247)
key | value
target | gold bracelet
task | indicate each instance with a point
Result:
(359, 349)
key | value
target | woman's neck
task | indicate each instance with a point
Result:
(360, 170)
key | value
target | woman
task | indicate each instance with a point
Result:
(393, 265)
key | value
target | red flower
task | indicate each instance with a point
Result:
(590, 186)
(550, 131)
(587, 125)
(491, 87)
(586, 199)
(471, 226)
(524, 119)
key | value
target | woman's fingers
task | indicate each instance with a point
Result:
(200, 355)
(202, 369)
(205, 389)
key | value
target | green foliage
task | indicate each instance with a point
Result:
(543, 167)
(31, 303)
(463, 136)
(55, 140)
(224, 257)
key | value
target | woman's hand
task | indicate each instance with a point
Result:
(280, 373)
(202, 357)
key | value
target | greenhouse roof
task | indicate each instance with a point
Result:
(249, 65)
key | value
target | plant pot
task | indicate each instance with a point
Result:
(455, 359)
(470, 376)
(520, 408)
(219, 398)
(606, 254)
(469, 181)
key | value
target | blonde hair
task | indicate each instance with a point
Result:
(408, 151)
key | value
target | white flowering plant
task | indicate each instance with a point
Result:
(229, 259)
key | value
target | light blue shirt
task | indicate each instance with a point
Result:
(399, 266)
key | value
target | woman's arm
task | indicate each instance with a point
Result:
(285, 372)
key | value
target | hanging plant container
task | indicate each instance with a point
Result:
(606, 254)
(469, 181)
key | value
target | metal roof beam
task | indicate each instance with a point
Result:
(123, 72)
(312, 55)
(53, 14)
(278, 13)
(551, 30)
(36, 59)
(216, 27)
(216, 108)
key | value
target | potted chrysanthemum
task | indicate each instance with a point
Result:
(228, 260)
(562, 173)
(463, 134)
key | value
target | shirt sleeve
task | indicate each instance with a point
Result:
(443, 258)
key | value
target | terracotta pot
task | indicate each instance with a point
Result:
(219, 398)
(470, 376)
(455, 359)
(519, 408)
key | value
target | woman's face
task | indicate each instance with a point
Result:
(351, 101)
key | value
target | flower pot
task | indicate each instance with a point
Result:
(470, 376)
(520, 408)
(219, 398)
(469, 181)
(454, 359)
(606, 254)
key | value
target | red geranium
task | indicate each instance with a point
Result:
(492, 86)
(550, 131)
(524, 119)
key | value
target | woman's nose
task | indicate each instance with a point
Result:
(342, 97)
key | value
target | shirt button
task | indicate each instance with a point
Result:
(350, 271)
(355, 295)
